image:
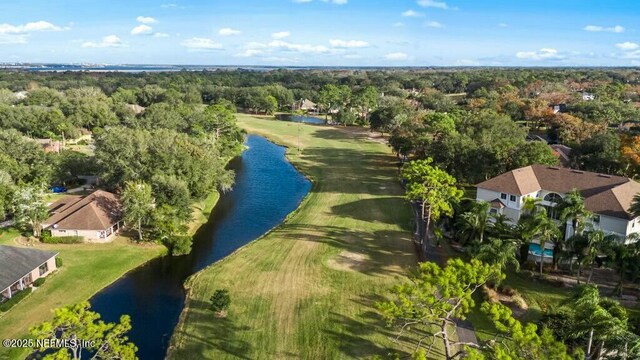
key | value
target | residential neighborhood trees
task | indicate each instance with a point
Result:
(137, 205)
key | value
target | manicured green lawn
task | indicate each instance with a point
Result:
(87, 269)
(307, 290)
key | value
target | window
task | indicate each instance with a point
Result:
(553, 198)
(512, 198)
(44, 268)
(493, 211)
(503, 196)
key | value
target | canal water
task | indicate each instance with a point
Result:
(266, 190)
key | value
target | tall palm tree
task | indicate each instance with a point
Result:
(635, 205)
(473, 225)
(531, 206)
(597, 242)
(548, 231)
(572, 208)
(623, 258)
(499, 252)
(524, 232)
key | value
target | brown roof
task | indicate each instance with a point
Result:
(497, 203)
(604, 194)
(97, 211)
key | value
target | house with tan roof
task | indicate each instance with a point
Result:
(95, 217)
(607, 196)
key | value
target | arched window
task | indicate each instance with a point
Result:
(553, 198)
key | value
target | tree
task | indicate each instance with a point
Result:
(7, 189)
(137, 205)
(30, 207)
(623, 257)
(433, 188)
(548, 231)
(473, 225)
(83, 329)
(516, 340)
(571, 208)
(436, 297)
(169, 228)
(270, 105)
(500, 253)
(635, 205)
(220, 301)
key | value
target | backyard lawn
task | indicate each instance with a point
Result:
(307, 289)
(87, 269)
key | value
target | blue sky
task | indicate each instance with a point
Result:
(323, 32)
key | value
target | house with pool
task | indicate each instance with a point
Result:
(607, 196)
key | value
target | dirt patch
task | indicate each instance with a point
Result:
(348, 261)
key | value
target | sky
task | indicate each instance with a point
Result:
(323, 32)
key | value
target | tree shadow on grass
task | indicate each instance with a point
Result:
(389, 210)
(221, 334)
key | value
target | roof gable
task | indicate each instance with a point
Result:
(97, 211)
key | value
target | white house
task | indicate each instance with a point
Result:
(608, 197)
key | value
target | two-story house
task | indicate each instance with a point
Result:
(608, 197)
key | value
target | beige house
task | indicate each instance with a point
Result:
(20, 267)
(607, 196)
(304, 105)
(96, 217)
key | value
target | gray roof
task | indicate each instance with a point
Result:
(17, 262)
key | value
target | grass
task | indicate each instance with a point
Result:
(87, 269)
(202, 211)
(308, 288)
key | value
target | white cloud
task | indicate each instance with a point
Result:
(255, 45)
(142, 30)
(433, 4)
(301, 1)
(397, 56)
(411, 13)
(598, 28)
(348, 44)
(434, 24)
(303, 48)
(107, 41)
(197, 43)
(503, 25)
(467, 62)
(146, 20)
(398, 24)
(542, 54)
(160, 35)
(168, 6)
(229, 32)
(250, 53)
(19, 34)
(627, 46)
(280, 35)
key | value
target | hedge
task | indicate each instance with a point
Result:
(59, 262)
(17, 297)
(48, 239)
(39, 282)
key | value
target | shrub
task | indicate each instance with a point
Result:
(179, 245)
(507, 290)
(39, 282)
(17, 297)
(220, 301)
(59, 262)
(61, 239)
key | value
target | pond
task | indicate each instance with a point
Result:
(301, 119)
(266, 190)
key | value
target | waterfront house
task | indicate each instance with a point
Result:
(607, 196)
(95, 217)
(304, 105)
(20, 267)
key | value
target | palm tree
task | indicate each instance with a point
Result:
(547, 231)
(624, 259)
(531, 206)
(572, 208)
(473, 224)
(597, 241)
(499, 252)
(524, 233)
(635, 205)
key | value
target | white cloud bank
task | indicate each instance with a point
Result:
(598, 28)
(229, 32)
(19, 34)
(539, 55)
(142, 30)
(146, 20)
(201, 44)
(109, 41)
(348, 44)
(396, 56)
(280, 35)
(627, 45)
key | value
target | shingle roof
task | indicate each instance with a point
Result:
(97, 211)
(604, 194)
(17, 262)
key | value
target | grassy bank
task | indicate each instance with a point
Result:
(202, 211)
(87, 269)
(307, 289)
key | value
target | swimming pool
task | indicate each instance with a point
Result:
(534, 249)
